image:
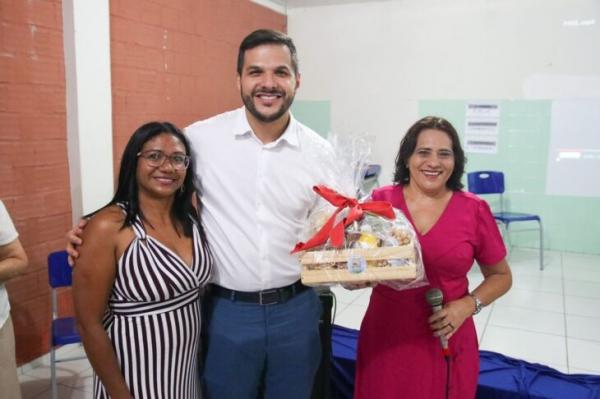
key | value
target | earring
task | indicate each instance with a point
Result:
(182, 189)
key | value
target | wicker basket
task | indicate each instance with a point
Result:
(330, 267)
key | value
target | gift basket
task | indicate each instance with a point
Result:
(358, 241)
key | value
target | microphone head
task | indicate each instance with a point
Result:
(435, 297)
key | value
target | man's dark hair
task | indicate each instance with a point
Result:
(409, 143)
(266, 36)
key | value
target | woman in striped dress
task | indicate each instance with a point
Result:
(137, 280)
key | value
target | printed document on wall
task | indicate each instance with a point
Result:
(481, 127)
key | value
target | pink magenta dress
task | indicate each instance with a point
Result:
(398, 357)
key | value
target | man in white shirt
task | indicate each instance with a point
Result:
(256, 167)
(13, 261)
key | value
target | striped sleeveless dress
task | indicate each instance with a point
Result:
(153, 318)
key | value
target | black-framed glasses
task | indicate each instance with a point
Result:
(156, 158)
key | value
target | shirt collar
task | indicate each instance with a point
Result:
(290, 135)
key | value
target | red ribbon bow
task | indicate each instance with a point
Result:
(335, 232)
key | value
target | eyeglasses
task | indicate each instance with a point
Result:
(156, 158)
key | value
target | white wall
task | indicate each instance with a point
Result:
(374, 61)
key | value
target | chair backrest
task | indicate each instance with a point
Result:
(59, 270)
(370, 180)
(486, 182)
(373, 171)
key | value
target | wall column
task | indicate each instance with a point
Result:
(89, 105)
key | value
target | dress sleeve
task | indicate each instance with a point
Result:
(490, 247)
(376, 195)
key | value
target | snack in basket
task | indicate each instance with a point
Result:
(361, 242)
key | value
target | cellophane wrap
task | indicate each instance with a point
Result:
(348, 240)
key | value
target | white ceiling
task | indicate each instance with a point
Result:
(286, 4)
(316, 3)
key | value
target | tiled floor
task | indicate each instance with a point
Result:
(550, 317)
(74, 377)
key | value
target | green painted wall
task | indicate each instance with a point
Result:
(570, 223)
(314, 114)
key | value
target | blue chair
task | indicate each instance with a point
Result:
(370, 179)
(63, 330)
(492, 182)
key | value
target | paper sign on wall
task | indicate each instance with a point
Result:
(481, 127)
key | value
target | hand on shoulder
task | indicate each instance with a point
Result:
(107, 221)
(101, 233)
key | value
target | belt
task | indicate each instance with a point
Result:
(265, 297)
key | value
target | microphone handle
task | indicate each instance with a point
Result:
(443, 340)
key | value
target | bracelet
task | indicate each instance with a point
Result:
(478, 304)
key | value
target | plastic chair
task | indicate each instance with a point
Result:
(492, 182)
(63, 330)
(370, 179)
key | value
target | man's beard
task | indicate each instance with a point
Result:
(285, 105)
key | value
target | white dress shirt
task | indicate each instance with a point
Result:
(256, 197)
(7, 235)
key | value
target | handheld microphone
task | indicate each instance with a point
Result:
(435, 299)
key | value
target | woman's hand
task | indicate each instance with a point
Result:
(447, 321)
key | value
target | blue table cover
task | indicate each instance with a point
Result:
(500, 377)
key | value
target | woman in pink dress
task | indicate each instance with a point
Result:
(399, 350)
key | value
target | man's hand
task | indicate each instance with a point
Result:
(359, 286)
(74, 240)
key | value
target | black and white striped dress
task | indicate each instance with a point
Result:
(153, 318)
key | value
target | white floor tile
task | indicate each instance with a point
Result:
(579, 306)
(530, 346)
(483, 316)
(530, 255)
(64, 370)
(581, 267)
(474, 280)
(534, 300)
(576, 260)
(345, 296)
(538, 321)
(588, 289)
(538, 283)
(351, 316)
(479, 329)
(481, 321)
(584, 354)
(529, 258)
(576, 370)
(33, 386)
(66, 393)
(582, 272)
(587, 328)
(82, 381)
(531, 265)
(363, 298)
(44, 360)
(72, 350)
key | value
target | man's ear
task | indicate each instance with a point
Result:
(298, 76)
